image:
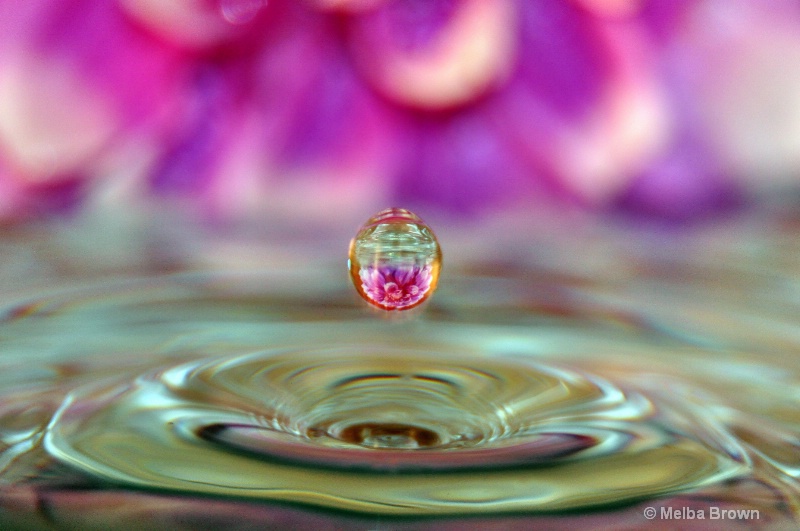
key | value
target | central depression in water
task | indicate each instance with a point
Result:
(369, 427)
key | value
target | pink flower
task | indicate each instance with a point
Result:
(396, 287)
(280, 107)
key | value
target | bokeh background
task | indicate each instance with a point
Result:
(330, 110)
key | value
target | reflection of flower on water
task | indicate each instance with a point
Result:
(396, 287)
(245, 106)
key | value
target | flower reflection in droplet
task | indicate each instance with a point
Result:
(395, 260)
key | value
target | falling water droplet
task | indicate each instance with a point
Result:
(240, 11)
(395, 260)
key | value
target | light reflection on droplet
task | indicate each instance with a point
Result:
(395, 260)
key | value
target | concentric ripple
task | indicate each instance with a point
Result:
(534, 391)
(380, 430)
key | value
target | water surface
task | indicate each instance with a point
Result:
(554, 379)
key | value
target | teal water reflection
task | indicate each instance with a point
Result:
(567, 381)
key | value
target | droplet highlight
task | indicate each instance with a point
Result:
(395, 260)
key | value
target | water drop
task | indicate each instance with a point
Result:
(395, 260)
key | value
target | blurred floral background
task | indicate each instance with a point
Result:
(236, 109)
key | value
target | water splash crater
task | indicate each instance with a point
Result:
(325, 426)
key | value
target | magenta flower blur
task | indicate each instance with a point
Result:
(396, 287)
(246, 108)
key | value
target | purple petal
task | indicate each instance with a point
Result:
(189, 163)
(685, 184)
(565, 63)
(403, 275)
(462, 164)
